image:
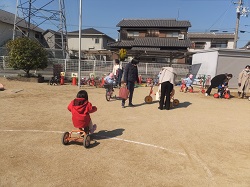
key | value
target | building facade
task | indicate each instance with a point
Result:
(154, 40)
(7, 21)
(204, 41)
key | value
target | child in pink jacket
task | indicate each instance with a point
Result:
(81, 108)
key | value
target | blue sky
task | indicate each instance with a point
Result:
(104, 15)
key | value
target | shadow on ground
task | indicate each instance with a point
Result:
(104, 134)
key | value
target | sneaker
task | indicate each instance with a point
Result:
(131, 105)
(206, 94)
(93, 129)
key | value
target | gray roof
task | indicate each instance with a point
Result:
(161, 42)
(153, 23)
(90, 31)
(152, 42)
(211, 35)
(9, 18)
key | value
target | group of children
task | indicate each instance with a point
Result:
(81, 108)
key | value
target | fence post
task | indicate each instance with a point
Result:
(65, 64)
(94, 66)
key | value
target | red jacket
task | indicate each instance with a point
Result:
(80, 109)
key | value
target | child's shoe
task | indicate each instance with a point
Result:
(93, 129)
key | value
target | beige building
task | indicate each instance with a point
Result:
(91, 39)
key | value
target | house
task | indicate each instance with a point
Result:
(53, 42)
(204, 41)
(93, 42)
(154, 40)
(7, 21)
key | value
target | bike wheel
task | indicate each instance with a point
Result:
(176, 102)
(65, 138)
(86, 141)
(148, 99)
(108, 95)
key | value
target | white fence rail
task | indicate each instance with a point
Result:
(99, 68)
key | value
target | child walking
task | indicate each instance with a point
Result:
(81, 108)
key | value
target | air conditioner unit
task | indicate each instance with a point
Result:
(181, 36)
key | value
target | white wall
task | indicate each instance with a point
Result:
(86, 43)
(205, 63)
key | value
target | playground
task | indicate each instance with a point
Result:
(203, 141)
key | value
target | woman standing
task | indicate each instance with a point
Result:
(118, 71)
(244, 81)
(130, 77)
(167, 81)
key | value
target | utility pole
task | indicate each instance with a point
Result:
(238, 13)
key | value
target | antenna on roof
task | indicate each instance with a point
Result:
(177, 14)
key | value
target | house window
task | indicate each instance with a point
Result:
(198, 45)
(133, 34)
(152, 33)
(36, 35)
(97, 41)
(172, 34)
(219, 44)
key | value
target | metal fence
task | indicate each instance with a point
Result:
(99, 68)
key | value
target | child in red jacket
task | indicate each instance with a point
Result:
(81, 108)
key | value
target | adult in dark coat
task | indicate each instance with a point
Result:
(217, 80)
(130, 77)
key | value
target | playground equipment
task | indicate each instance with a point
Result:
(54, 81)
(184, 87)
(77, 136)
(225, 94)
(109, 92)
(148, 99)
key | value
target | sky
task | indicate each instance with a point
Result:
(104, 15)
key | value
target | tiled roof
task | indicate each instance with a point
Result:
(161, 42)
(126, 43)
(211, 35)
(146, 48)
(152, 42)
(9, 18)
(153, 23)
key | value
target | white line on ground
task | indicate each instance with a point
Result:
(205, 168)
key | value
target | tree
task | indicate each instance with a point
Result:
(122, 54)
(26, 54)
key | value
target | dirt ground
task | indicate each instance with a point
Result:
(202, 142)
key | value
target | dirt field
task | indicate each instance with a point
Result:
(202, 142)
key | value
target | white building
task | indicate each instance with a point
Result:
(204, 41)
